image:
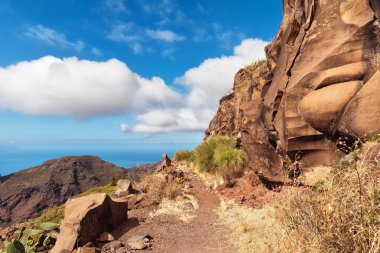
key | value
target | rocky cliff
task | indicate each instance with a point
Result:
(319, 88)
(26, 193)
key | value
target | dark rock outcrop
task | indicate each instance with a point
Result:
(27, 193)
(319, 84)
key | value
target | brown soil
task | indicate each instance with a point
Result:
(204, 233)
(248, 190)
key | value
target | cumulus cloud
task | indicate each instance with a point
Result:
(177, 119)
(215, 76)
(80, 89)
(164, 35)
(84, 89)
(51, 37)
(206, 84)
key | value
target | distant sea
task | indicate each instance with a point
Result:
(13, 159)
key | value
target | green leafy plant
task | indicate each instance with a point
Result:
(113, 181)
(218, 153)
(29, 239)
(184, 155)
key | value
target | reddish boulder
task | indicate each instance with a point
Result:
(88, 217)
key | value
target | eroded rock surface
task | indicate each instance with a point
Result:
(320, 82)
(88, 217)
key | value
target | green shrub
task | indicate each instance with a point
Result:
(225, 156)
(53, 214)
(184, 155)
(217, 153)
(113, 181)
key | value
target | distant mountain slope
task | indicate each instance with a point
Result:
(26, 193)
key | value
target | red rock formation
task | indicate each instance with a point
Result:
(320, 82)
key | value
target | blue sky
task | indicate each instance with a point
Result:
(123, 71)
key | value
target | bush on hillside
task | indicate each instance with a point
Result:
(113, 181)
(184, 155)
(218, 153)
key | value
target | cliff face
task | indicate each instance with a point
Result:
(26, 193)
(319, 84)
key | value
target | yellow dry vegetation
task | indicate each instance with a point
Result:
(183, 207)
(339, 214)
(252, 229)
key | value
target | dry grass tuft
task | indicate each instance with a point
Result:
(183, 207)
(211, 181)
(231, 174)
(252, 229)
(341, 214)
(159, 186)
(251, 68)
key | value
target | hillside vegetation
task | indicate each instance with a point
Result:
(338, 214)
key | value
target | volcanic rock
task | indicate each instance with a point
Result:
(318, 84)
(105, 237)
(138, 242)
(123, 187)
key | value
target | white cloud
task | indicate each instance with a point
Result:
(115, 5)
(216, 75)
(124, 32)
(206, 83)
(167, 11)
(51, 37)
(176, 119)
(83, 89)
(164, 35)
(135, 36)
(124, 128)
(80, 89)
(96, 51)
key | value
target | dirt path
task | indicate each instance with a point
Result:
(202, 234)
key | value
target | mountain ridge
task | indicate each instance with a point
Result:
(26, 193)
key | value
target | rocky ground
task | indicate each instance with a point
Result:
(180, 215)
(202, 233)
